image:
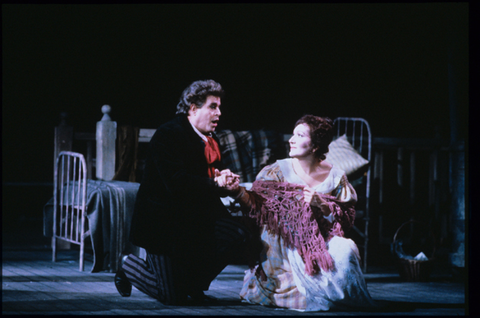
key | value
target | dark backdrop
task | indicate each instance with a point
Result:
(385, 62)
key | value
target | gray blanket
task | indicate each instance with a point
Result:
(247, 152)
(109, 211)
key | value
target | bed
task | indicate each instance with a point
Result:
(114, 162)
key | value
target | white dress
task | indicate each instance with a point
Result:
(287, 284)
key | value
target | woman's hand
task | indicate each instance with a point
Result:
(314, 199)
(311, 197)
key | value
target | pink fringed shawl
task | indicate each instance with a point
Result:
(280, 206)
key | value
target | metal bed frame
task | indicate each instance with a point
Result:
(69, 210)
(358, 133)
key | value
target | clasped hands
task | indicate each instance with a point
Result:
(227, 179)
(314, 199)
(230, 181)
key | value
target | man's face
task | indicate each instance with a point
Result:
(205, 119)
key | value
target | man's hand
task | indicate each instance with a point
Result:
(227, 179)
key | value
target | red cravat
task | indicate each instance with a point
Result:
(212, 154)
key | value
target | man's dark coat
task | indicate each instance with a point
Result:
(177, 203)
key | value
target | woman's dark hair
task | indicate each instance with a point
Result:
(321, 133)
(197, 94)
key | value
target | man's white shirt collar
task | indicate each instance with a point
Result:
(199, 133)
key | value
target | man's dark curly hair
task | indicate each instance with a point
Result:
(197, 94)
(321, 133)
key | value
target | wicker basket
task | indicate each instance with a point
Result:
(415, 270)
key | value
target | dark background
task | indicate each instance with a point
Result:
(384, 62)
(387, 63)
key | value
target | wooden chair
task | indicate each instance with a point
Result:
(69, 195)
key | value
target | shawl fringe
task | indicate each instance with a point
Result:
(281, 208)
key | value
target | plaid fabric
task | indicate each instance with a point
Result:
(247, 152)
(280, 289)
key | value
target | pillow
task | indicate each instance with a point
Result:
(342, 155)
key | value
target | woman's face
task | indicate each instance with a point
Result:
(300, 142)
